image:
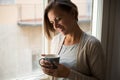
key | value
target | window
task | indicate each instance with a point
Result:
(21, 46)
(30, 14)
(89, 23)
(22, 39)
(85, 14)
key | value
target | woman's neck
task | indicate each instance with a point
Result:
(74, 37)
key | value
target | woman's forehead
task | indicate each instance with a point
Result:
(56, 12)
(52, 14)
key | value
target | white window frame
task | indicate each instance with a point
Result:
(97, 18)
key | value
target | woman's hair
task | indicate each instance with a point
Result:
(65, 5)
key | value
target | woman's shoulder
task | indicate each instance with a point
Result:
(90, 39)
(91, 43)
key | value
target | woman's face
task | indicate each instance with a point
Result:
(62, 21)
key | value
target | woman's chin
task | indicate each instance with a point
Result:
(63, 33)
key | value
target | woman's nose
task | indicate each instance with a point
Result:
(55, 24)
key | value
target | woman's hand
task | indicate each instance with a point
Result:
(61, 71)
(45, 63)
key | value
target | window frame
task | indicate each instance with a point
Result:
(97, 18)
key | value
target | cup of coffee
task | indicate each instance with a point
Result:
(52, 58)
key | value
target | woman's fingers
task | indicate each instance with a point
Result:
(61, 71)
(48, 71)
(46, 64)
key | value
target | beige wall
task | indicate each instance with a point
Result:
(30, 11)
(8, 14)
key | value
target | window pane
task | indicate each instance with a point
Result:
(21, 45)
(85, 14)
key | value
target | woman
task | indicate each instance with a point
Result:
(81, 55)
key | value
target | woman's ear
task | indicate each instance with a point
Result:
(73, 14)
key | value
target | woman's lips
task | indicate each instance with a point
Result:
(61, 30)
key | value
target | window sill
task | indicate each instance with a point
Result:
(30, 22)
(34, 76)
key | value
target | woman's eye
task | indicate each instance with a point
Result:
(51, 22)
(58, 18)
